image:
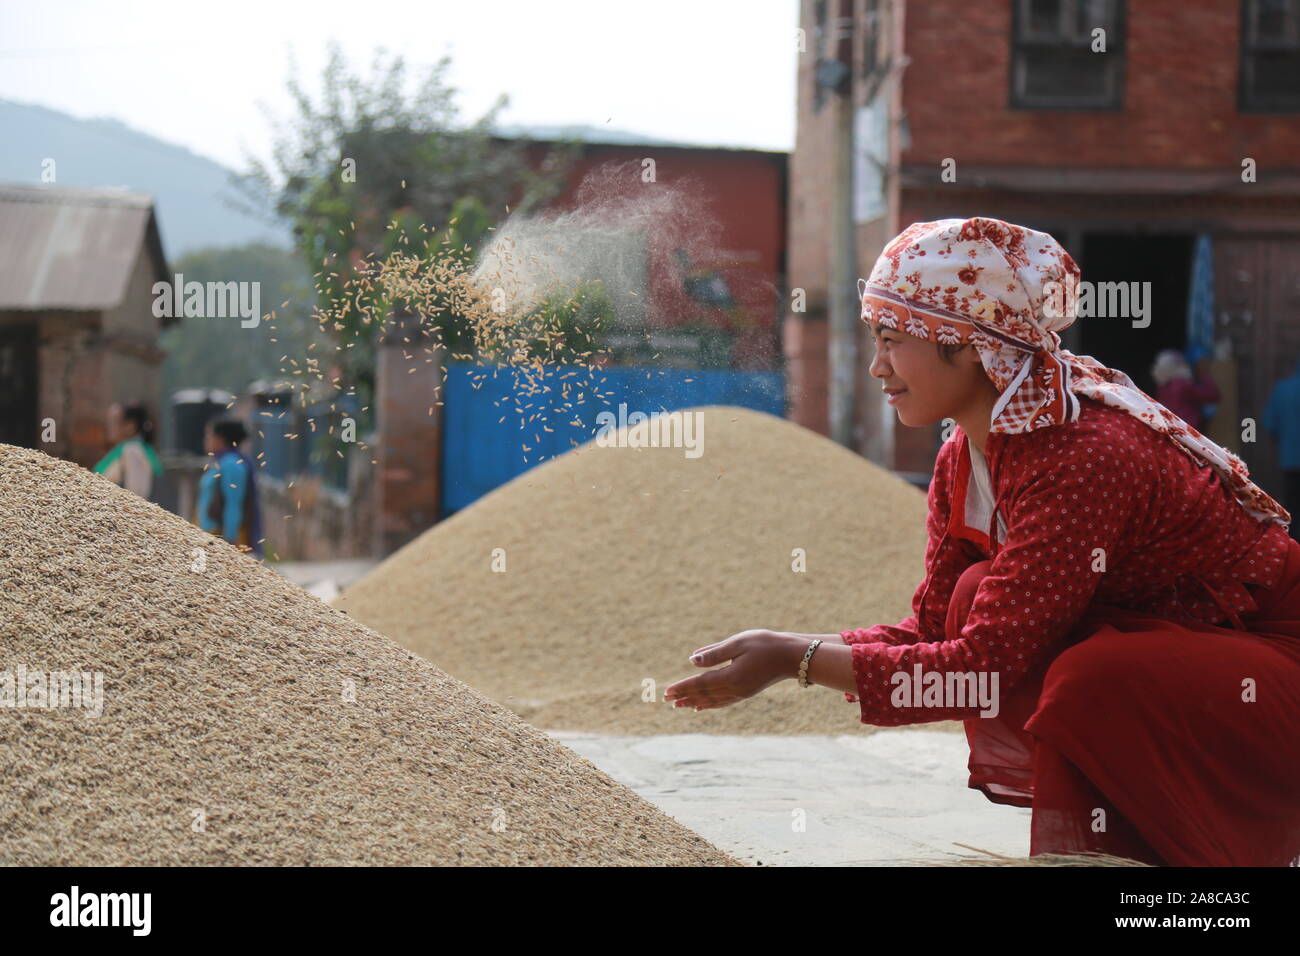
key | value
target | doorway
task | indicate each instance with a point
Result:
(1165, 261)
(18, 385)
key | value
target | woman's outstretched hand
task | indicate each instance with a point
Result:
(758, 659)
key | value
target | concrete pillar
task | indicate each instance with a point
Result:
(408, 476)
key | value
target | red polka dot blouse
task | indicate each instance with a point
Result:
(1104, 509)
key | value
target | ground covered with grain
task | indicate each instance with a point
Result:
(246, 722)
(621, 561)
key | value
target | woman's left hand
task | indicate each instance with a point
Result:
(758, 659)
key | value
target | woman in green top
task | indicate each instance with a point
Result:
(132, 463)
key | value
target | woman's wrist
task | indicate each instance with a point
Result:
(831, 664)
(797, 646)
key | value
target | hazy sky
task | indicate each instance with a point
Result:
(699, 71)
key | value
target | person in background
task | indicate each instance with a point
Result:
(1282, 421)
(132, 463)
(1178, 391)
(228, 504)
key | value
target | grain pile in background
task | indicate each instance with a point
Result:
(620, 561)
(227, 735)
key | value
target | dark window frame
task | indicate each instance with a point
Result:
(1248, 47)
(1115, 47)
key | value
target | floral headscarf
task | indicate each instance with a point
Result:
(1001, 287)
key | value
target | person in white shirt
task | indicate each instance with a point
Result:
(132, 464)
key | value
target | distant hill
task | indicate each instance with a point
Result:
(187, 188)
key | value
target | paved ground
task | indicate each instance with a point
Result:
(862, 801)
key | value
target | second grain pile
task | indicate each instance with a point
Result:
(575, 593)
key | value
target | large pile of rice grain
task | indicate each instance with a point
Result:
(226, 735)
(620, 561)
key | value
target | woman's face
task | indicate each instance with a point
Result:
(933, 389)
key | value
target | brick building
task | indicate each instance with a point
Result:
(77, 329)
(1177, 121)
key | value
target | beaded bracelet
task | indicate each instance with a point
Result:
(803, 665)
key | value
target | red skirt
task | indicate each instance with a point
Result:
(1176, 744)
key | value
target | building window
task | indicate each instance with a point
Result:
(1270, 56)
(1055, 58)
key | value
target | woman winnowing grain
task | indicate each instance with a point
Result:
(1135, 595)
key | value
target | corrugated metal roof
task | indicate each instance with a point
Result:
(64, 248)
(604, 136)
